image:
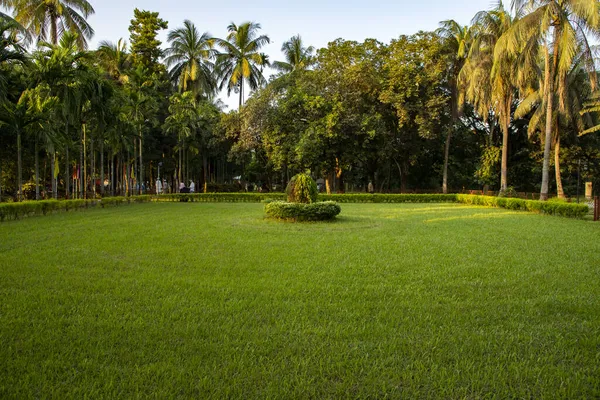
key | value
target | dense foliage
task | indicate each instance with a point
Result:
(320, 211)
(302, 189)
(465, 107)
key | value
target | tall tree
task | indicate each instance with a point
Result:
(114, 59)
(490, 72)
(49, 20)
(561, 28)
(241, 59)
(189, 58)
(458, 40)
(297, 56)
(145, 47)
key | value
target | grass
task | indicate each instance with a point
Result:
(213, 301)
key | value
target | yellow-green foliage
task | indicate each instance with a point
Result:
(302, 189)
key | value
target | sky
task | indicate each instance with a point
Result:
(318, 22)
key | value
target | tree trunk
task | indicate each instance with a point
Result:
(53, 30)
(102, 168)
(80, 169)
(141, 172)
(204, 169)
(559, 186)
(504, 165)
(67, 169)
(446, 156)
(19, 169)
(37, 171)
(179, 175)
(54, 176)
(339, 175)
(328, 180)
(549, 90)
(93, 166)
(241, 94)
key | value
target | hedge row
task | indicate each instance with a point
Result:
(42, 207)
(340, 198)
(389, 198)
(220, 197)
(571, 210)
(320, 211)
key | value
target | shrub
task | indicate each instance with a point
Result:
(508, 192)
(44, 207)
(302, 189)
(563, 209)
(320, 211)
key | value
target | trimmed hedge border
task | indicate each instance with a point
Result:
(558, 208)
(220, 197)
(15, 211)
(571, 210)
(319, 211)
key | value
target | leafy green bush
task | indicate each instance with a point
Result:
(302, 189)
(43, 207)
(508, 192)
(563, 209)
(220, 197)
(389, 198)
(319, 211)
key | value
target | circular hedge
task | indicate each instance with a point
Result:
(320, 211)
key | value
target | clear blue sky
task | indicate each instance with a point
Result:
(318, 22)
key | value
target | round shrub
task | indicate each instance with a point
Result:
(320, 211)
(302, 189)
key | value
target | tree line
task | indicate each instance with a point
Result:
(493, 105)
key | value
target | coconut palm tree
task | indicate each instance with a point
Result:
(489, 74)
(49, 19)
(114, 59)
(189, 58)
(560, 28)
(569, 100)
(458, 40)
(297, 56)
(241, 59)
(182, 121)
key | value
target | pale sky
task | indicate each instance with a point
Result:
(318, 22)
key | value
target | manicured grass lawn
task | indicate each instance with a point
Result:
(211, 300)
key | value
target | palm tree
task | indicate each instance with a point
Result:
(50, 19)
(63, 68)
(182, 121)
(458, 40)
(12, 53)
(114, 59)
(490, 72)
(568, 102)
(560, 27)
(31, 110)
(241, 60)
(297, 57)
(189, 58)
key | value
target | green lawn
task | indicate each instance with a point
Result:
(197, 300)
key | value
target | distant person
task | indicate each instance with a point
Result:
(370, 188)
(159, 186)
(182, 188)
(192, 187)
